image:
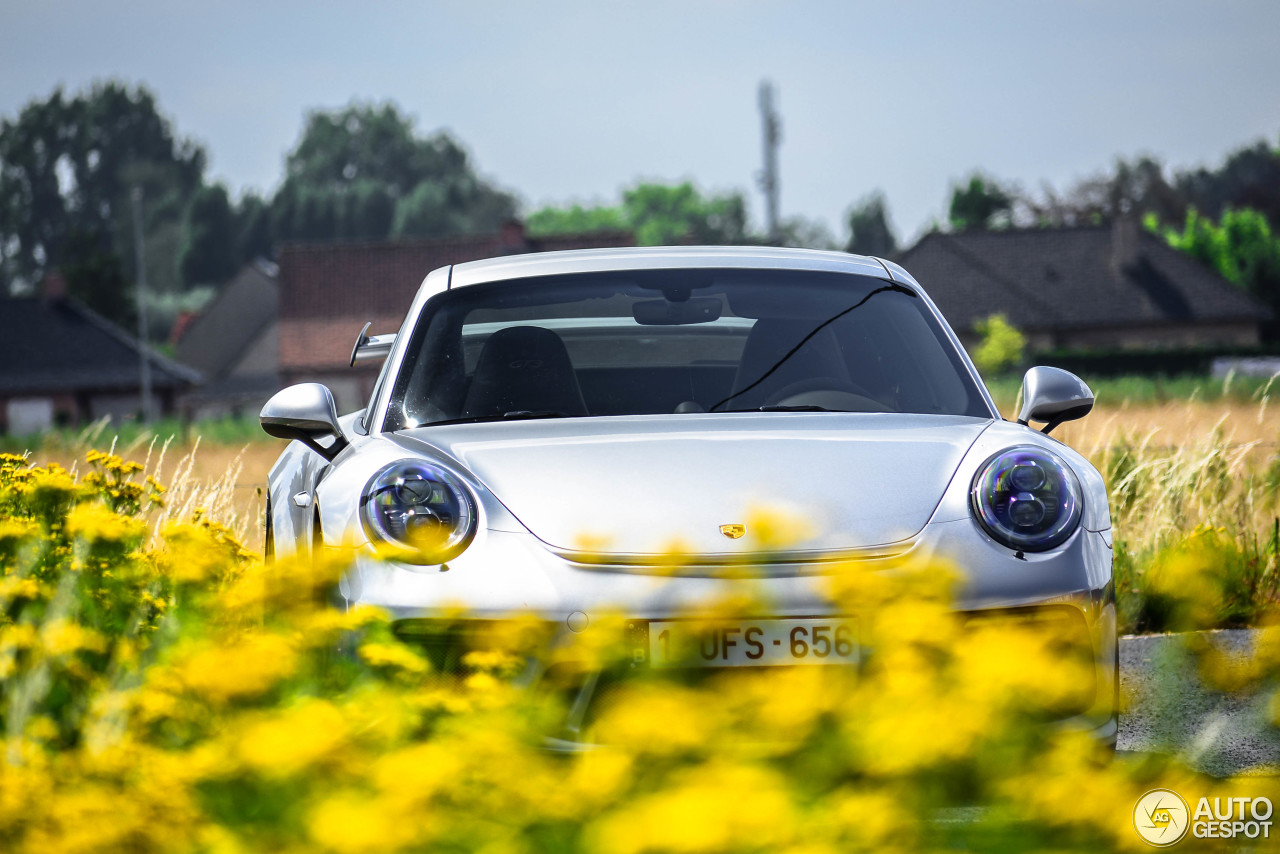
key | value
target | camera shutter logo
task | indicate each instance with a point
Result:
(1161, 817)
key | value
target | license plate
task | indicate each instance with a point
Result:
(749, 643)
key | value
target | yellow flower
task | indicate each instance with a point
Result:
(658, 718)
(394, 656)
(16, 636)
(95, 522)
(352, 823)
(246, 667)
(774, 528)
(14, 587)
(195, 553)
(413, 775)
(17, 529)
(292, 739)
(63, 637)
(719, 806)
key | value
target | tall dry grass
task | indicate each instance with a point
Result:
(222, 480)
(1198, 478)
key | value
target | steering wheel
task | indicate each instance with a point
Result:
(827, 392)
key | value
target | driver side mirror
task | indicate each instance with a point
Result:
(305, 412)
(1052, 396)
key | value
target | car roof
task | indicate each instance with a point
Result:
(671, 257)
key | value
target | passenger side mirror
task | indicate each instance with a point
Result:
(1052, 396)
(305, 412)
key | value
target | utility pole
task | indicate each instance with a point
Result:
(768, 178)
(144, 363)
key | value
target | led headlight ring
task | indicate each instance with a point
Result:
(420, 510)
(1026, 498)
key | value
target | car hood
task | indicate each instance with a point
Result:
(651, 484)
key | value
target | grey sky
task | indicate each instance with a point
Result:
(571, 101)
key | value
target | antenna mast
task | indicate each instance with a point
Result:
(768, 178)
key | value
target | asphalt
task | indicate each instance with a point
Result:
(1168, 709)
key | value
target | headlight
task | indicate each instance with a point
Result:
(1027, 499)
(420, 510)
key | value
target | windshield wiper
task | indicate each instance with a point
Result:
(513, 415)
(523, 414)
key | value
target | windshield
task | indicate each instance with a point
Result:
(678, 341)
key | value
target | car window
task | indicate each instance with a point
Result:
(635, 343)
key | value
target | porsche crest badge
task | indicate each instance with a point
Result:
(733, 532)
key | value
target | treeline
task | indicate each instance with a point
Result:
(1142, 187)
(69, 165)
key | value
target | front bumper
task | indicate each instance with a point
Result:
(506, 574)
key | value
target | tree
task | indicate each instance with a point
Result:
(664, 214)
(67, 167)
(805, 233)
(94, 275)
(1132, 188)
(869, 230)
(576, 220)
(659, 215)
(209, 253)
(253, 237)
(1249, 178)
(1242, 247)
(363, 173)
(426, 211)
(1002, 346)
(981, 204)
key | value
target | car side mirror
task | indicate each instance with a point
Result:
(1052, 396)
(305, 412)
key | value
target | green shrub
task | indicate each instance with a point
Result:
(1002, 347)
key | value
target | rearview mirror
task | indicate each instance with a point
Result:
(305, 412)
(660, 312)
(1052, 396)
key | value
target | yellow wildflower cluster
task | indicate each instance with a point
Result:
(112, 476)
(190, 697)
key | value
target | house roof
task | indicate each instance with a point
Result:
(59, 345)
(1073, 278)
(328, 291)
(215, 340)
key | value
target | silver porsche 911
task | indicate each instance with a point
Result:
(547, 428)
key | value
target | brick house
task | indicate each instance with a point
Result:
(1100, 288)
(329, 291)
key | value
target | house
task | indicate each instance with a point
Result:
(61, 363)
(329, 291)
(234, 343)
(1088, 288)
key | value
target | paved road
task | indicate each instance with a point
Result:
(1170, 711)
